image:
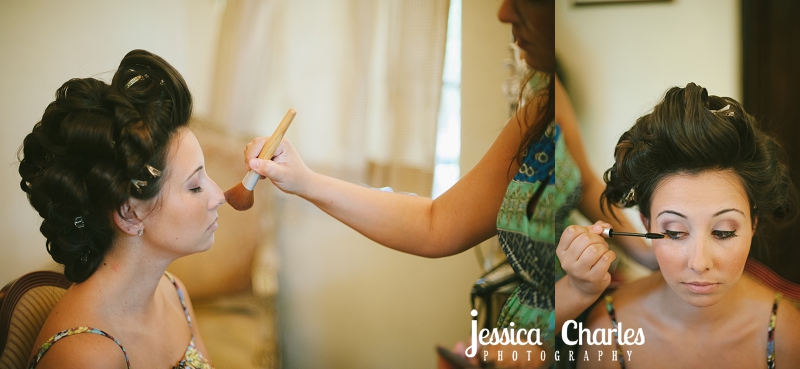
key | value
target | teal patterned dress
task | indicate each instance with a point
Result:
(533, 215)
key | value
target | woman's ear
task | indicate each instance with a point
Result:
(645, 221)
(755, 224)
(128, 219)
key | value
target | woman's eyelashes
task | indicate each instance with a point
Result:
(197, 186)
(721, 235)
(674, 234)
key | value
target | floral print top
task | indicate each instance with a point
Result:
(192, 358)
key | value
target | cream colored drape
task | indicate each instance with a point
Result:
(364, 75)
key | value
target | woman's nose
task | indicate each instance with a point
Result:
(507, 13)
(700, 259)
(217, 196)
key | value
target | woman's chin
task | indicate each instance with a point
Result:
(207, 245)
(701, 301)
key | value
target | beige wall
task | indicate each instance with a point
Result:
(44, 43)
(620, 59)
(484, 109)
(346, 302)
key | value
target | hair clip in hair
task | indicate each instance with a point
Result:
(153, 171)
(138, 184)
(135, 79)
(79, 222)
(85, 256)
(630, 197)
(725, 109)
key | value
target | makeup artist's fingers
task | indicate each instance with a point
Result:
(573, 231)
(597, 227)
(277, 174)
(594, 280)
(575, 241)
(600, 268)
(591, 255)
(569, 235)
(253, 148)
(585, 256)
(286, 169)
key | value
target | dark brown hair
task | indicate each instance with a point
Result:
(78, 162)
(536, 115)
(691, 132)
(540, 110)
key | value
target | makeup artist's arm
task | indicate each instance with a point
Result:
(593, 187)
(460, 218)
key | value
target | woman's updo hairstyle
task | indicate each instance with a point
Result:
(690, 132)
(97, 146)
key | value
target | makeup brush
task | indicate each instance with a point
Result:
(241, 196)
(608, 232)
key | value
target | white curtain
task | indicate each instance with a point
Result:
(364, 75)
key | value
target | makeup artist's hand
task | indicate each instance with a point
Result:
(286, 169)
(585, 256)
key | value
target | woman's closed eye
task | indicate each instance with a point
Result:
(675, 235)
(197, 189)
(722, 235)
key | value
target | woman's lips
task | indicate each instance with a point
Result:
(213, 226)
(702, 288)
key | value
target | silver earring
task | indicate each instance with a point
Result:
(141, 231)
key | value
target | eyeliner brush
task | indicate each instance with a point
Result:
(608, 232)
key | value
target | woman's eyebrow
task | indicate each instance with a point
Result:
(727, 210)
(715, 215)
(195, 171)
(671, 212)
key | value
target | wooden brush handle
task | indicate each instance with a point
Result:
(272, 143)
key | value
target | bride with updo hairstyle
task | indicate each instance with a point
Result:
(119, 182)
(703, 174)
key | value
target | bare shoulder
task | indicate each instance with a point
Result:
(83, 350)
(787, 334)
(72, 311)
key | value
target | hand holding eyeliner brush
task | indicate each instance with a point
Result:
(608, 233)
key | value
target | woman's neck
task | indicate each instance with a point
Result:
(127, 279)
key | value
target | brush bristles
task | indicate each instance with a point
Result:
(239, 197)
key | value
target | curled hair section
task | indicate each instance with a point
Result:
(81, 161)
(690, 132)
